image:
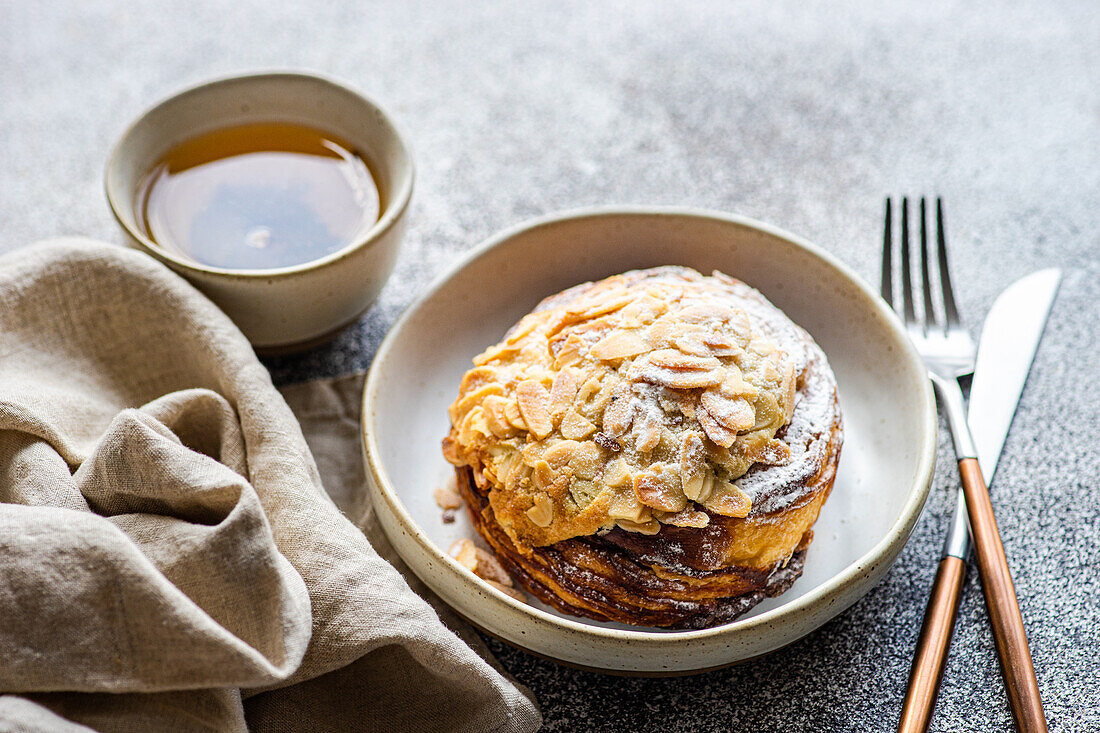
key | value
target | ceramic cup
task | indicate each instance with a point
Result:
(287, 308)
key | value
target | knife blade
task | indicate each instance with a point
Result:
(1007, 347)
(1010, 337)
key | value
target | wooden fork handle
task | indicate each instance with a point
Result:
(932, 646)
(1000, 600)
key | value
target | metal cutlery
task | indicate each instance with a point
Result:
(1009, 340)
(949, 353)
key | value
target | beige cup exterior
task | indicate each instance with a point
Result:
(282, 307)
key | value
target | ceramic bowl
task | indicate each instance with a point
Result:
(889, 419)
(277, 309)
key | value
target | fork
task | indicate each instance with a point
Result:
(949, 353)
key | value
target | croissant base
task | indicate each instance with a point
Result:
(596, 579)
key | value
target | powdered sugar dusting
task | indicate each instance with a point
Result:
(773, 488)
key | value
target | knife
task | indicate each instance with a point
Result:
(1009, 340)
(1007, 347)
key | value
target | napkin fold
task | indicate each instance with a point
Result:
(169, 559)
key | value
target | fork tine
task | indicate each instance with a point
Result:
(887, 286)
(950, 313)
(906, 273)
(926, 280)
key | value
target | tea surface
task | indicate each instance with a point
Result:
(259, 196)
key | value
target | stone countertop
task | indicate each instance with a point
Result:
(803, 115)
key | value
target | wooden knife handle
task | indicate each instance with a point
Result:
(1000, 600)
(932, 646)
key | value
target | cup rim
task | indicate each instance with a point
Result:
(391, 214)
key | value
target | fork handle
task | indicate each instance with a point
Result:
(1000, 600)
(933, 645)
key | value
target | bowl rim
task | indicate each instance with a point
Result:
(388, 219)
(899, 530)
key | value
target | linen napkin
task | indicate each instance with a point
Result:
(169, 559)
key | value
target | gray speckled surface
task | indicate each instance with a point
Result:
(804, 115)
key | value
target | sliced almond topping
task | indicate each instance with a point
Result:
(690, 343)
(705, 312)
(475, 379)
(562, 391)
(481, 563)
(591, 386)
(721, 345)
(679, 378)
(586, 461)
(725, 352)
(734, 385)
(660, 489)
(619, 413)
(513, 415)
(601, 305)
(693, 465)
(587, 308)
(739, 329)
(534, 405)
(718, 275)
(560, 453)
(513, 470)
(616, 473)
(575, 426)
(764, 348)
(688, 518)
(651, 527)
(451, 451)
(626, 506)
(619, 345)
(788, 385)
(729, 501)
(610, 384)
(775, 453)
(471, 399)
(521, 329)
(532, 453)
(601, 378)
(664, 332)
(718, 433)
(496, 418)
(473, 425)
(447, 498)
(641, 311)
(647, 432)
(708, 487)
(499, 351)
(570, 352)
(676, 359)
(464, 551)
(767, 412)
(546, 476)
(735, 415)
(542, 513)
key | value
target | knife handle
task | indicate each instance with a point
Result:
(1000, 601)
(932, 646)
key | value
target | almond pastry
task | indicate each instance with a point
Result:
(653, 448)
